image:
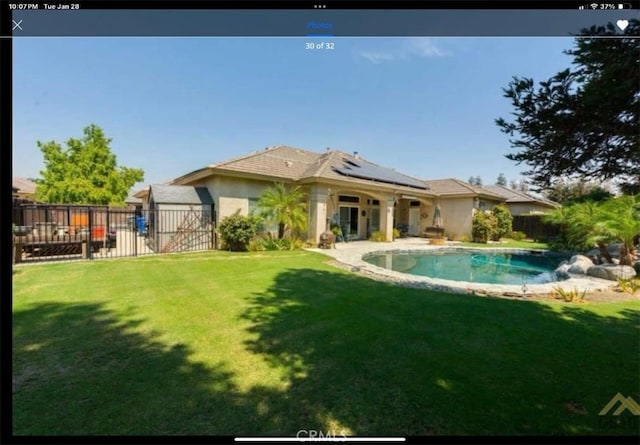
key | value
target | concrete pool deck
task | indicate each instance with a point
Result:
(350, 255)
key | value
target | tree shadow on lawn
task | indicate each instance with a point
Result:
(360, 357)
(79, 370)
(369, 358)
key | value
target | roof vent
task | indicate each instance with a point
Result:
(355, 155)
(288, 163)
(328, 148)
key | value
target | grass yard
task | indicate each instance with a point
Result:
(277, 342)
(508, 243)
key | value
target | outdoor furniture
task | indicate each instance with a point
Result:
(403, 230)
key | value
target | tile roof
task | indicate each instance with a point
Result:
(180, 194)
(282, 161)
(453, 187)
(24, 185)
(518, 196)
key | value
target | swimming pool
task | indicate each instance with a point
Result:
(476, 266)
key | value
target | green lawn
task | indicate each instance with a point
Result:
(277, 342)
(510, 244)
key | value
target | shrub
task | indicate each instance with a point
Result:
(236, 231)
(629, 285)
(518, 236)
(570, 296)
(504, 221)
(270, 243)
(378, 236)
(483, 227)
(396, 233)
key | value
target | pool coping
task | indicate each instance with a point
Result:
(351, 255)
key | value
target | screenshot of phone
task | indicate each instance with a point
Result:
(269, 220)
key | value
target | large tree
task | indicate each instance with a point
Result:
(584, 122)
(85, 173)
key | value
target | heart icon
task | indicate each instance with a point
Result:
(622, 24)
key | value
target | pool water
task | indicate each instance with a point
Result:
(473, 266)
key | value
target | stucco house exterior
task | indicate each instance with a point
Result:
(458, 201)
(346, 189)
(341, 187)
(521, 203)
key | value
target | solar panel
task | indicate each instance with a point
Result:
(375, 173)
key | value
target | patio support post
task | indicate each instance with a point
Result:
(317, 212)
(386, 217)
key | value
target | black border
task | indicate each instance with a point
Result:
(327, 4)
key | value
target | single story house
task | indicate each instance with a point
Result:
(341, 187)
(458, 200)
(23, 188)
(521, 203)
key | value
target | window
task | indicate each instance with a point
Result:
(345, 198)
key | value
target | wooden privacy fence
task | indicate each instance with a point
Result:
(534, 227)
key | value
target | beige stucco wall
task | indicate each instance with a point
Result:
(457, 214)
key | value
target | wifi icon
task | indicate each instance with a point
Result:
(593, 5)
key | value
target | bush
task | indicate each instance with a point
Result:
(267, 242)
(236, 231)
(518, 236)
(396, 233)
(483, 227)
(504, 222)
(378, 236)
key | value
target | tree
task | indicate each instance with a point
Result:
(584, 122)
(475, 180)
(520, 185)
(483, 226)
(566, 192)
(504, 222)
(502, 180)
(619, 220)
(286, 207)
(85, 173)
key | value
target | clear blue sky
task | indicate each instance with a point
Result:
(423, 106)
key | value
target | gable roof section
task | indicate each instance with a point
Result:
(513, 196)
(451, 187)
(282, 162)
(24, 185)
(180, 194)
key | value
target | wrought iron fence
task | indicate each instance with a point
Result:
(66, 232)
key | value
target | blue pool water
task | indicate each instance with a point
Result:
(475, 266)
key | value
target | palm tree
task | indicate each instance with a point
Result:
(286, 207)
(619, 220)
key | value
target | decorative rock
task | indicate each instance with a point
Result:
(611, 272)
(579, 264)
(563, 270)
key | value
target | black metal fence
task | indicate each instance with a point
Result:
(534, 227)
(70, 232)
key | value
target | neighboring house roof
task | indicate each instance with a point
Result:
(24, 185)
(451, 187)
(180, 194)
(133, 200)
(295, 164)
(516, 196)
